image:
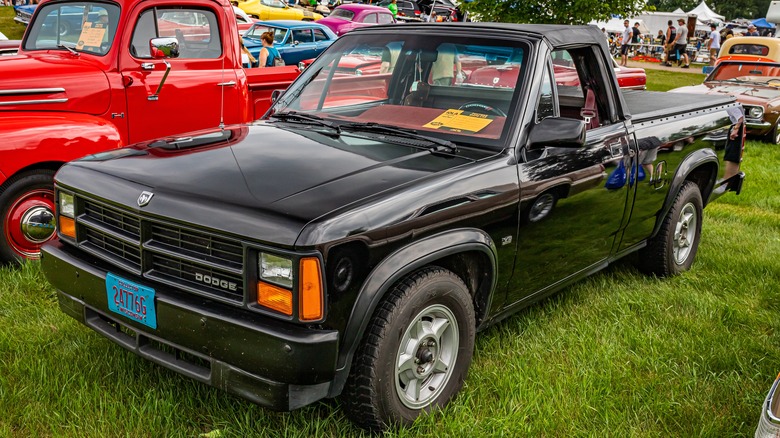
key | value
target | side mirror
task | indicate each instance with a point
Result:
(296, 42)
(166, 47)
(276, 94)
(557, 132)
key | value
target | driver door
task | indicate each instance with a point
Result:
(573, 200)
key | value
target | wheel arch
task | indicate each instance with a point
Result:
(700, 167)
(468, 253)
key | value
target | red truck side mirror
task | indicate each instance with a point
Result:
(166, 47)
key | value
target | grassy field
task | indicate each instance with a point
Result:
(619, 354)
(8, 26)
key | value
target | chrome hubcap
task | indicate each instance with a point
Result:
(426, 356)
(684, 233)
(541, 208)
(38, 224)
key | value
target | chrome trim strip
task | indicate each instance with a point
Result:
(31, 102)
(31, 91)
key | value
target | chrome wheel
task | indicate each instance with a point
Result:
(684, 233)
(30, 222)
(426, 356)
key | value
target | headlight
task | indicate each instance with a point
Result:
(358, 72)
(755, 112)
(66, 204)
(275, 269)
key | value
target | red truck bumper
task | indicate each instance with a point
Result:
(279, 366)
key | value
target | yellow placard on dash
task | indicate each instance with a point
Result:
(91, 35)
(456, 120)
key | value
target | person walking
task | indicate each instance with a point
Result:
(269, 54)
(671, 34)
(625, 40)
(714, 44)
(681, 43)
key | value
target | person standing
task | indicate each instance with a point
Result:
(671, 34)
(393, 7)
(714, 44)
(681, 43)
(752, 31)
(624, 43)
(268, 54)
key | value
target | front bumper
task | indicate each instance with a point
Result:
(757, 127)
(271, 363)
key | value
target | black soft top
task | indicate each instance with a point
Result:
(557, 34)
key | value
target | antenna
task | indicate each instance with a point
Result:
(222, 95)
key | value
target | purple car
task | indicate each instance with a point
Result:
(351, 16)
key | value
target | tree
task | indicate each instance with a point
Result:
(551, 11)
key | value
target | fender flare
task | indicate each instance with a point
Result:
(394, 267)
(69, 136)
(688, 165)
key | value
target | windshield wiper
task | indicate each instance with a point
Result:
(310, 119)
(69, 49)
(400, 132)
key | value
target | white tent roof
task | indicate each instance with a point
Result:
(705, 14)
(678, 11)
(615, 25)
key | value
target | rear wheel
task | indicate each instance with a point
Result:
(673, 249)
(415, 353)
(26, 215)
(774, 135)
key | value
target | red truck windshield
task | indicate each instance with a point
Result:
(461, 89)
(83, 27)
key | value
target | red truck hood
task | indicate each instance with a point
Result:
(53, 82)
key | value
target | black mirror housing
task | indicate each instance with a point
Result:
(557, 132)
(276, 94)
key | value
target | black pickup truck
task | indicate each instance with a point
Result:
(353, 241)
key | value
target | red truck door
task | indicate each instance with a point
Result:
(201, 89)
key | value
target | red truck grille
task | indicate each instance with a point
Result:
(183, 257)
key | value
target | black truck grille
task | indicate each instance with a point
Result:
(188, 259)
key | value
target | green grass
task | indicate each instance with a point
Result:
(8, 26)
(659, 80)
(618, 354)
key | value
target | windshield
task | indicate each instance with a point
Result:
(257, 30)
(458, 89)
(756, 73)
(84, 27)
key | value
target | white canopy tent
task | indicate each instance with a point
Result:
(615, 25)
(678, 11)
(705, 14)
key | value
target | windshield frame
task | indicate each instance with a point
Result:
(35, 28)
(528, 46)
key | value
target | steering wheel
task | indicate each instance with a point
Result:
(482, 108)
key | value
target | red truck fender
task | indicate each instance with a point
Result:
(34, 146)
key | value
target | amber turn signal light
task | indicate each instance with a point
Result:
(274, 297)
(310, 290)
(68, 227)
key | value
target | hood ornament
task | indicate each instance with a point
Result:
(144, 199)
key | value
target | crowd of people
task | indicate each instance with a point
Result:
(672, 45)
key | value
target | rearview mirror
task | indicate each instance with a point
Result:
(276, 94)
(557, 132)
(166, 47)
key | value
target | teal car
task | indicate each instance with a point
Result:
(295, 40)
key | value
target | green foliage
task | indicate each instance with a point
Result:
(8, 26)
(731, 9)
(550, 11)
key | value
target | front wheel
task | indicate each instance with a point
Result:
(26, 215)
(415, 353)
(774, 135)
(673, 249)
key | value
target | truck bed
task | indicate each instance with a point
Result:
(647, 105)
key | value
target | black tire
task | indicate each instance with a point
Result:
(673, 249)
(11, 192)
(374, 397)
(542, 206)
(774, 135)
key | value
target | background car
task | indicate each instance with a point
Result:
(23, 13)
(769, 422)
(756, 87)
(408, 10)
(244, 21)
(352, 16)
(295, 40)
(276, 10)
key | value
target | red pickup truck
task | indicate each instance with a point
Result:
(91, 75)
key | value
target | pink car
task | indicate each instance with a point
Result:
(351, 16)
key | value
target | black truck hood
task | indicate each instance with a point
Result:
(264, 181)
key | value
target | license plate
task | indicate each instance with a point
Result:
(131, 300)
